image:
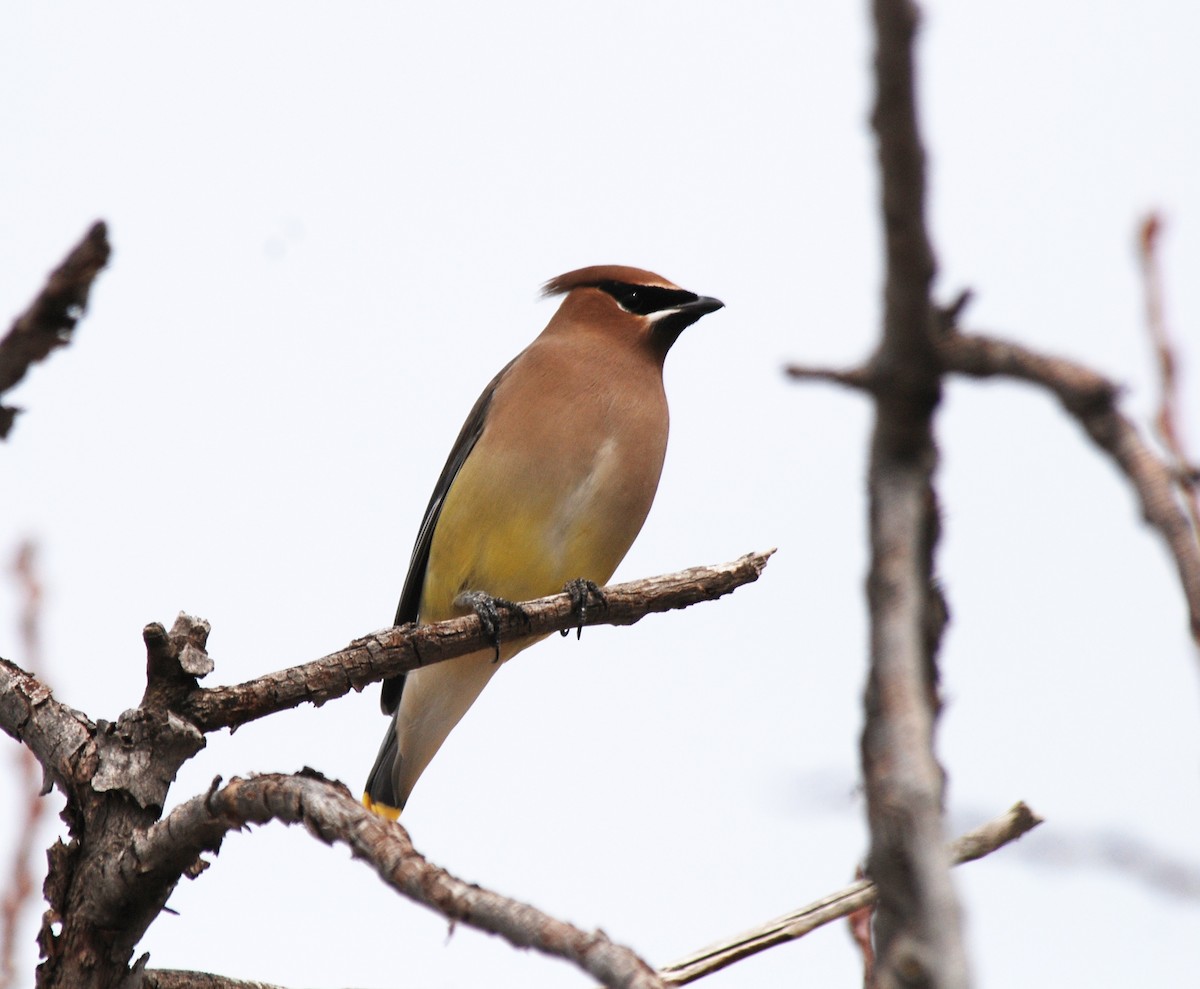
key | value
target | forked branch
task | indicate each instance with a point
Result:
(114, 877)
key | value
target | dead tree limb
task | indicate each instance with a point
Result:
(108, 884)
(1168, 422)
(172, 978)
(919, 942)
(976, 844)
(397, 650)
(331, 813)
(57, 735)
(1091, 399)
(50, 319)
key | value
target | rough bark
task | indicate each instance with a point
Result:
(113, 876)
(917, 929)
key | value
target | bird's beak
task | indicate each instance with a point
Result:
(702, 307)
(666, 328)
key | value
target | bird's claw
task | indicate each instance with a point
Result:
(487, 610)
(579, 590)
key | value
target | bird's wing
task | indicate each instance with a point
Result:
(410, 597)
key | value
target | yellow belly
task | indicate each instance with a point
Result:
(521, 531)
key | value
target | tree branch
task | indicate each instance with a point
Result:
(56, 734)
(976, 844)
(332, 814)
(107, 885)
(984, 840)
(1168, 420)
(396, 650)
(919, 942)
(172, 978)
(1092, 400)
(51, 318)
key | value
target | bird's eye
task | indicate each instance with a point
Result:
(646, 299)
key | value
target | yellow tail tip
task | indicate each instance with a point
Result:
(383, 810)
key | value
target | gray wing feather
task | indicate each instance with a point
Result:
(414, 583)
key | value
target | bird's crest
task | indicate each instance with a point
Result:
(598, 273)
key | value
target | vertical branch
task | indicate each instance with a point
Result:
(917, 924)
(860, 923)
(1167, 421)
(19, 889)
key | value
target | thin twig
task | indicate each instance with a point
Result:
(1168, 420)
(971, 846)
(19, 891)
(397, 650)
(854, 377)
(860, 922)
(51, 318)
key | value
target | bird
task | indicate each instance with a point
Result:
(545, 489)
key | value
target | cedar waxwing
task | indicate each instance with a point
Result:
(549, 482)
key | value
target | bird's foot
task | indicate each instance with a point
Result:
(580, 589)
(487, 609)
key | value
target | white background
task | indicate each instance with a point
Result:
(330, 224)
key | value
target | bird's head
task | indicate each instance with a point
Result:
(629, 301)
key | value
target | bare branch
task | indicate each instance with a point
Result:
(861, 921)
(861, 894)
(1168, 420)
(396, 650)
(56, 734)
(855, 377)
(19, 890)
(918, 936)
(331, 813)
(973, 845)
(51, 318)
(1080, 389)
(170, 978)
(106, 886)
(1092, 400)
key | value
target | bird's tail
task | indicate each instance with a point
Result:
(380, 793)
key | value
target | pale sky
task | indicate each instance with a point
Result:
(330, 225)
